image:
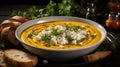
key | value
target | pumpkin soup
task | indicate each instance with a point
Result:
(61, 35)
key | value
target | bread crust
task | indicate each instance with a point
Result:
(20, 18)
(8, 37)
(17, 63)
(7, 30)
(15, 22)
(5, 23)
(96, 56)
(2, 63)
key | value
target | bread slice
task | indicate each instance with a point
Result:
(16, 23)
(5, 23)
(20, 18)
(19, 58)
(2, 63)
(96, 56)
(8, 37)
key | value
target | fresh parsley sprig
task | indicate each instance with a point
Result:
(65, 8)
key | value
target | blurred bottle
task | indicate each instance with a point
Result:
(91, 13)
(99, 8)
(113, 21)
(118, 20)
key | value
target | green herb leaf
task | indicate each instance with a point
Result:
(67, 1)
(67, 27)
(56, 32)
(46, 37)
(65, 8)
(47, 45)
(30, 35)
(93, 36)
(34, 33)
(33, 12)
(51, 9)
(69, 38)
(75, 28)
(18, 13)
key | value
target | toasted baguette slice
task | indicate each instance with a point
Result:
(15, 22)
(18, 58)
(5, 23)
(2, 63)
(96, 56)
(20, 18)
(8, 37)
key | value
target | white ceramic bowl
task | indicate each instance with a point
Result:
(60, 55)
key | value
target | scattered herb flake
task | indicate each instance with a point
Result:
(56, 32)
(46, 37)
(75, 28)
(47, 45)
(35, 33)
(93, 36)
(67, 27)
(29, 35)
(32, 33)
(69, 38)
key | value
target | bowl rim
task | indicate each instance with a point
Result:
(42, 19)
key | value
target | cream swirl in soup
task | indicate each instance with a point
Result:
(61, 35)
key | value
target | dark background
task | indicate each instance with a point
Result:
(6, 6)
(27, 2)
(44, 2)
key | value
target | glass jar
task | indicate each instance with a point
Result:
(113, 21)
(118, 20)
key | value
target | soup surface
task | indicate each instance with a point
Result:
(61, 35)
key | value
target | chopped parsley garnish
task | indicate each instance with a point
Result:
(75, 28)
(56, 32)
(69, 38)
(47, 45)
(93, 36)
(29, 35)
(46, 37)
(35, 33)
(67, 27)
(32, 33)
